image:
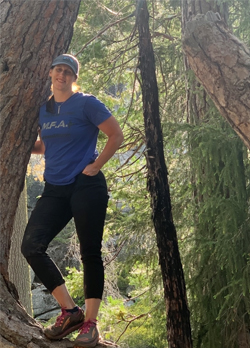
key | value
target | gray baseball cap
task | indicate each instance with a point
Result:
(69, 60)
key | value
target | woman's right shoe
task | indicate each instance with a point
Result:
(88, 336)
(65, 324)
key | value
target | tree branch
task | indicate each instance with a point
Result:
(169, 37)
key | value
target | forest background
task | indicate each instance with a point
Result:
(209, 176)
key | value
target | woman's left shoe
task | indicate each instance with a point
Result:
(88, 335)
(65, 324)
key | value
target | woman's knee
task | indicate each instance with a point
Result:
(31, 247)
(27, 248)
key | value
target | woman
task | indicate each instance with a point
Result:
(74, 187)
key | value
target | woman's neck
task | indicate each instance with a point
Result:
(61, 97)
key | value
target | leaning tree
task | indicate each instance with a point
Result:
(220, 61)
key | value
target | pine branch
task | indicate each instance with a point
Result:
(103, 31)
(118, 250)
(130, 322)
(166, 36)
(132, 97)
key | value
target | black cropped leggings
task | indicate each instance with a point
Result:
(86, 201)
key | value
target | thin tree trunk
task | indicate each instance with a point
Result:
(18, 267)
(178, 317)
(221, 62)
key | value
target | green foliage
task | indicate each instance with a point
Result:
(239, 11)
(74, 283)
(141, 324)
(214, 202)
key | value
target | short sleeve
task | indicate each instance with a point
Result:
(96, 111)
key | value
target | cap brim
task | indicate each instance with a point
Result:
(63, 63)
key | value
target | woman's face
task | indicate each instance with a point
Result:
(62, 77)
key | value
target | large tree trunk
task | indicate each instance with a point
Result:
(178, 317)
(32, 34)
(221, 63)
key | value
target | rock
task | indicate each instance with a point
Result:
(44, 304)
(47, 316)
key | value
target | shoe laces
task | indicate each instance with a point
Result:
(60, 318)
(87, 325)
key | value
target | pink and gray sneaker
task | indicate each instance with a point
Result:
(65, 324)
(88, 335)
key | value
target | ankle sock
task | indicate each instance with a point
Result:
(73, 310)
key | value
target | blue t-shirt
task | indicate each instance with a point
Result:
(70, 136)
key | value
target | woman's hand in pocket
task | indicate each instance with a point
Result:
(91, 169)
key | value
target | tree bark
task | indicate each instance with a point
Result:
(244, 338)
(178, 316)
(221, 62)
(32, 34)
(197, 98)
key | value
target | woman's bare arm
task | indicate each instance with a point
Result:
(38, 148)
